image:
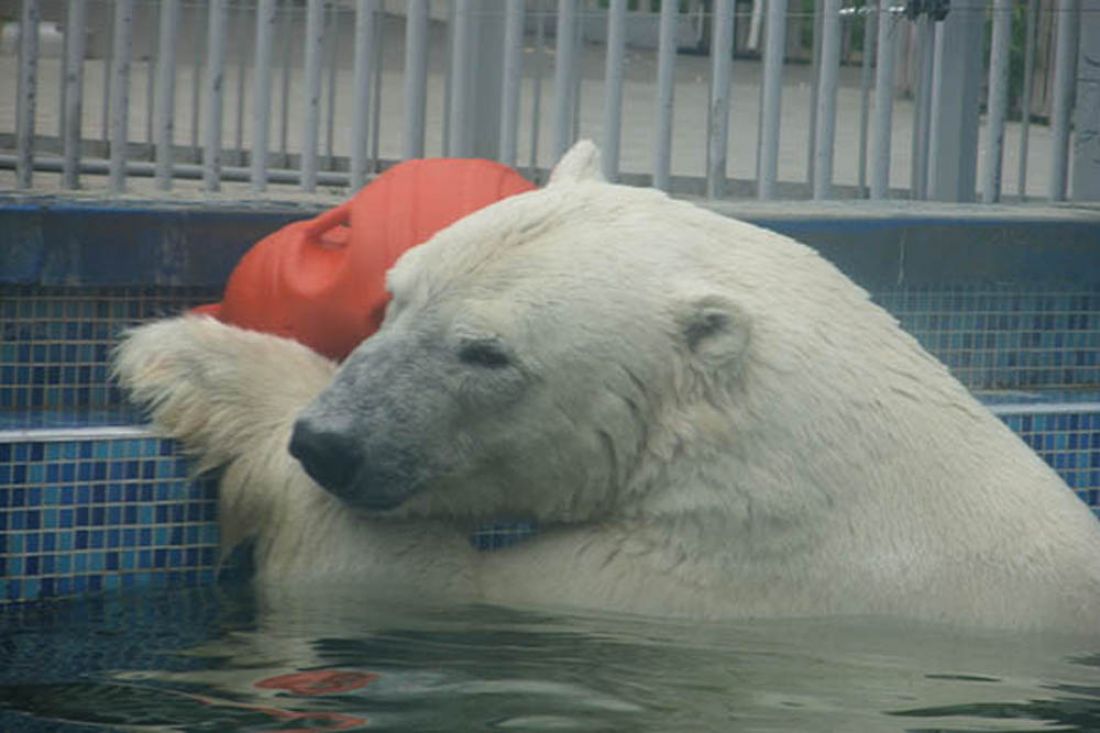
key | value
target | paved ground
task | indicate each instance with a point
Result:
(691, 94)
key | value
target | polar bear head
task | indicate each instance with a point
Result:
(581, 351)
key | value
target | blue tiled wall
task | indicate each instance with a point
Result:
(1011, 307)
(1004, 336)
(55, 342)
(86, 515)
(1070, 443)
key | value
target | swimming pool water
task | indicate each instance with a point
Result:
(328, 659)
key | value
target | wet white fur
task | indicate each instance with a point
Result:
(230, 397)
(808, 458)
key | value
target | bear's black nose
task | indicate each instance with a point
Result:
(329, 456)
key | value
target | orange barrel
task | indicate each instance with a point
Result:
(322, 281)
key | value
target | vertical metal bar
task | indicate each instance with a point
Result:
(1025, 96)
(462, 71)
(487, 84)
(957, 81)
(815, 91)
(513, 78)
(165, 91)
(870, 31)
(75, 22)
(613, 88)
(261, 93)
(935, 114)
(564, 59)
(150, 97)
(196, 82)
(108, 60)
(315, 31)
(1085, 185)
(448, 78)
(997, 105)
(826, 99)
(333, 34)
(284, 100)
(922, 110)
(28, 91)
(1065, 62)
(666, 67)
(62, 88)
(718, 121)
(242, 30)
(918, 92)
(884, 102)
(120, 100)
(577, 78)
(536, 92)
(364, 43)
(215, 93)
(772, 91)
(416, 76)
(376, 92)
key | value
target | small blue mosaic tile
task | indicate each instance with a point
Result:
(80, 516)
(1005, 337)
(55, 343)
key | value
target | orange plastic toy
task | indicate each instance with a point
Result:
(322, 281)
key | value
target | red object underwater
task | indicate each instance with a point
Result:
(322, 281)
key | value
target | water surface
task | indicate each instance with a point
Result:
(224, 658)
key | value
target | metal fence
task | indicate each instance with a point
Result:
(758, 98)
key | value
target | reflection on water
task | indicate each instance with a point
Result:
(224, 659)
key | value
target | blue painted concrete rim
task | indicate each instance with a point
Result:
(94, 241)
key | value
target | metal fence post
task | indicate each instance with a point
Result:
(315, 31)
(364, 40)
(956, 83)
(826, 100)
(120, 100)
(215, 95)
(564, 60)
(997, 105)
(165, 91)
(666, 87)
(1025, 95)
(332, 52)
(74, 91)
(613, 89)
(286, 37)
(416, 76)
(870, 31)
(28, 91)
(815, 84)
(1086, 146)
(536, 92)
(488, 36)
(261, 93)
(460, 137)
(512, 81)
(774, 47)
(1065, 62)
(718, 119)
(241, 27)
(882, 121)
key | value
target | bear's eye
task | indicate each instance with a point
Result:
(488, 353)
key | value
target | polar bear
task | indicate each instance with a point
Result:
(705, 418)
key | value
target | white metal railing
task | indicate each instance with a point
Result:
(467, 77)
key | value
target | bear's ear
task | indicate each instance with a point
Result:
(580, 163)
(714, 329)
